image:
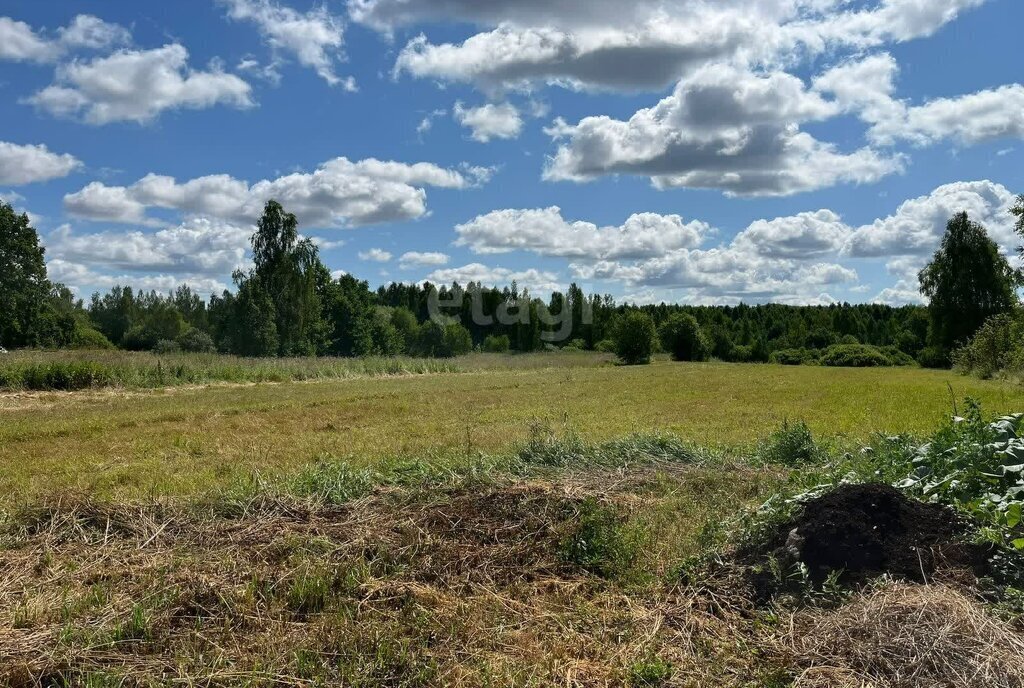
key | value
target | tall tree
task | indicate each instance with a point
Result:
(966, 282)
(23, 285)
(286, 272)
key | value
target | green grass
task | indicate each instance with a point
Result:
(183, 440)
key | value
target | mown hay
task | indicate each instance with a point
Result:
(905, 636)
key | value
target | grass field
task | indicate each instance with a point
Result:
(134, 442)
(511, 521)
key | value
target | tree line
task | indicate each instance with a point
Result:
(289, 304)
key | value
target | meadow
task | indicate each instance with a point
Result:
(494, 520)
(134, 440)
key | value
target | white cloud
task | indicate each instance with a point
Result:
(643, 45)
(725, 129)
(338, 193)
(417, 259)
(800, 236)
(198, 247)
(490, 121)
(138, 85)
(866, 86)
(82, 280)
(918, 224)
(375, 255)
(24, 164)
(537, 281)
(315, 38)
(545, 232)
(19, 42)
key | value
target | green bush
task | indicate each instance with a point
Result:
(166, 346)
(196, 341)
(682, 337)
(442, 340)
(575, 345)
(993, 348)
(605, 346)
(742, 353)
(791, 357)
(933, 357)
(634, 338)
(790, 445)
(497, 344)
(86, 337)
(854, 356)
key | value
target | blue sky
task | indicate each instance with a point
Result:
(802, 151)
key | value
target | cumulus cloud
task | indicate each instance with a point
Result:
(338, 193)
(199, 246)
(81, 279)
(418, 259)
(490, 121)
(199, 252)
(866, 87)
(918, 224)
(724, 128)
(24, 164)
(137, 86)
(544, 231)
(21, 43)
(375, 255)
(644, 45)
(314, 38)
(804, 235)
(537, 281)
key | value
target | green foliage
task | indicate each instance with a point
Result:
(997, 347)
(605, 346)
(442, 339)
(792, 357)
(649, 672)
(854, 356)
(55, 376)
(933, 357)
(497, 344)
(634, 338)
(196, 341)
(791, 445)
(575, 345)
(682, 337)
(86, 337)
(967, 282)
(599, 542)
(166, 346)
(23, 285)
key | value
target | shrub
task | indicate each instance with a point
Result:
(682, 337)
(575, 345)
(605, 346)
(790, 445)
(791, 357)
(634, 338)
(442, 339)
(991, 348)
(854, 356)
(166, 346)
(196, 341)
(86, 337)
(497, 343)
(933, 357)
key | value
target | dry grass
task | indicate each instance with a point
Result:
(457, 586)
(906, 636)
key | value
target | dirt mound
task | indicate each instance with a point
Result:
(866, 531)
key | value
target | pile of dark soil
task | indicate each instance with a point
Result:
(866, 531)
